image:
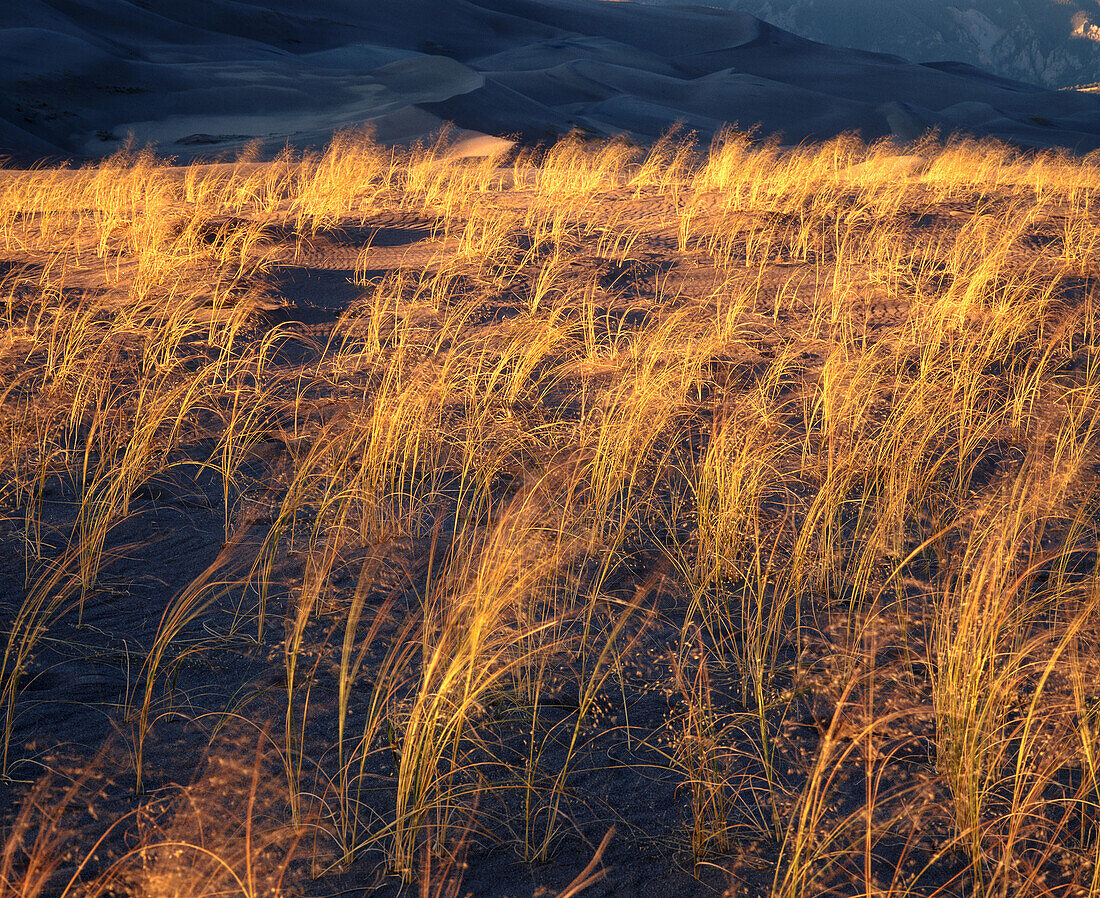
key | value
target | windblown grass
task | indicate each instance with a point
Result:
(769, 473)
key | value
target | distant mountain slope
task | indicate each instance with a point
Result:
(206, 76)
(1051, 42)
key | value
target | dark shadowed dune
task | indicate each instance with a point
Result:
(199, 78)
(204, 77)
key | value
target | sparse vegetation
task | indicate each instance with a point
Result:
(377, 519)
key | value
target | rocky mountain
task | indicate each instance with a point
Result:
(1055, 43)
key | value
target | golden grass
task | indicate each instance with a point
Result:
(827, 415)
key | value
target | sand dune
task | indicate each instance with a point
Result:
(206, 77)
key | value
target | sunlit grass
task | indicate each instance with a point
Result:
(819, 424)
